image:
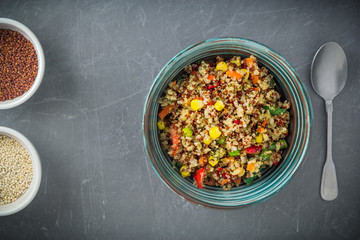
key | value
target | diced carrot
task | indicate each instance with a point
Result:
(173, 84)
(225, 160)
(249, 62)
(255, 79)
(211, 77)
(260, 129)
(222, 182)
(228, 73)
(175, 140)
(237, 75)
(201, 160)
(233, 74)
(264, 123)
(250, 167)
(166, 111)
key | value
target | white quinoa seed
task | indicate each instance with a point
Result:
(16, 171)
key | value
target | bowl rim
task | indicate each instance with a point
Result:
(26, 198)
(306, 141)
(6, 23)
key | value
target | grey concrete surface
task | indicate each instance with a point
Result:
(85, 119)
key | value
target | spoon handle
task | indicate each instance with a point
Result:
(329, 188)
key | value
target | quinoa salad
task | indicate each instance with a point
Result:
(223, 122)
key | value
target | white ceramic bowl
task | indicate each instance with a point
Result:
(30, 193)
(6, 23)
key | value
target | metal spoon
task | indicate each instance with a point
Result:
(328, 77)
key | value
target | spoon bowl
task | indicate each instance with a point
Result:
(329, 70)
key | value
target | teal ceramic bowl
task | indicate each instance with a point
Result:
(275, 178)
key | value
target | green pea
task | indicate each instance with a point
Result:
(187, 132)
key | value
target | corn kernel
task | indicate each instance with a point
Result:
(222, 66)
(259, 138)
(183, 172)
(207, 140)
(161, 125)
(243, 72)
(242, 172)
(213, 161)
(219, 105)
(236, 60)
(196, 104)
(214, 132)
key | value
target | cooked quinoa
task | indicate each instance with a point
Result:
(223, 122)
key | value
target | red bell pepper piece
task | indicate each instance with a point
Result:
(199, 177)
(213, 86)
(281, 123)
(237, 121)
(218, 171)
(175, 140)
(253, 149)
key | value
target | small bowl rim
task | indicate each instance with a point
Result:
(28, 34)
(27, 197)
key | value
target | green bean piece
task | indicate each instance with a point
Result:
(234, 153)
(221, 140)
(274, 110)
(249, 180)
(272, 83)
(264, 156)
(282, 143)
